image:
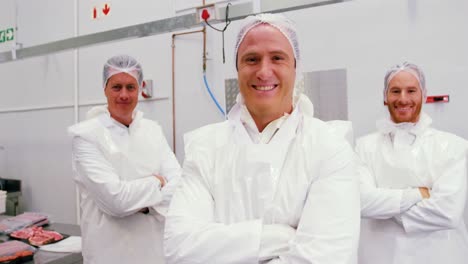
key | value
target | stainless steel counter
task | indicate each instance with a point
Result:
(45, 257)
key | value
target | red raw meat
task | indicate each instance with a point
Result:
(40, 239)
(37, 236)
(24, 253)
(19, 254)
(12, 250)
(23, 233)
(53, 234)
(7, 258)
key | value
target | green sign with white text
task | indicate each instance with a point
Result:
(7, 35)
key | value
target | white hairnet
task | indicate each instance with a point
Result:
(408, 67)
(122, 63)
(287, 28)
(280, 22)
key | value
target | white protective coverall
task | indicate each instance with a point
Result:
(232, 189)
(429, 231)
(114, 167)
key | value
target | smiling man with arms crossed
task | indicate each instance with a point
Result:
(126, 173)
(413, 182)
(272, 184)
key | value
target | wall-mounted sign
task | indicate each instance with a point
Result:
(437, 99)
(7, 35)
(99, 11)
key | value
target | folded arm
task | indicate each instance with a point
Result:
(112, 195)
(170, 171)
(328, 230)
(444, 209)
(191, 233)
(378, 202)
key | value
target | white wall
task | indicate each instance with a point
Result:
(122, 13)
(44, 21)
(35, 141)
(7, 20)
(36, 107)
(365, 37)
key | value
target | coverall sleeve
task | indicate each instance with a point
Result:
(171, 171)
(444, 209)
(192, 234)
(113, 196)
(377, 203)
(328, 230)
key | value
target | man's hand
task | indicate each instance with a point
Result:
(161, 179)
(144, 210)
(424, 192)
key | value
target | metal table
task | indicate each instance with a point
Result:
(46, 257)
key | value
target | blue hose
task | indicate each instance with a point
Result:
(212, 96)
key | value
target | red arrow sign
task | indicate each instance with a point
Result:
(106, 10)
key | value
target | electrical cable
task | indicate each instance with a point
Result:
(227, 21)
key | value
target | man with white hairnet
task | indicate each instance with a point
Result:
(126, 173)
(271, 184)
(413, 182)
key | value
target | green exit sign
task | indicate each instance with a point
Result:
(7, 35)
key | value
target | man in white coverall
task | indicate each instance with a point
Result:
(413, 182)
(126, 173)
(271, 184)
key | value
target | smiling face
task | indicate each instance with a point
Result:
(404, 98)
(122, 97)
(266, 72)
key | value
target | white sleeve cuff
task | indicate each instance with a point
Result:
(275, 240)
(410, 197)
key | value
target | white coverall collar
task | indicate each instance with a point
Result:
(102, 110)
(386, 125)
(267, 134)
(301, 103)
(405, 132)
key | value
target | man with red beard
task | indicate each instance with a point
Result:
(413, 182)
